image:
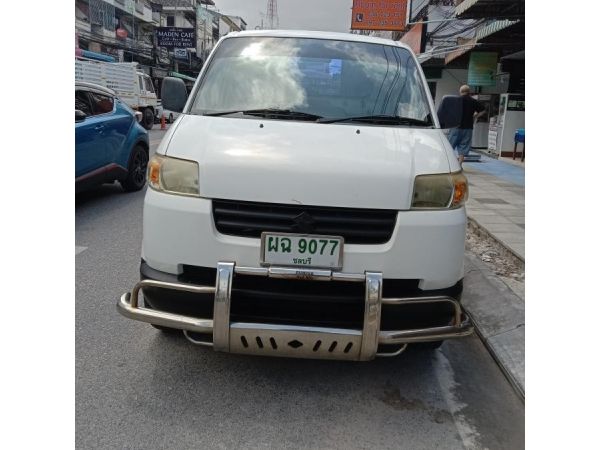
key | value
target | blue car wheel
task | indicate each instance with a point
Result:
(136, 170)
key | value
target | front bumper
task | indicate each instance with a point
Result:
(425, 245)
(276, 339)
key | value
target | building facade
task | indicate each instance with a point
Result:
(119, 29)
(125, 31)
(480, 43)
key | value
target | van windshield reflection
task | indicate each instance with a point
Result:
(331, 81)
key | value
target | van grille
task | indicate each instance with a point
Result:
(356, 226)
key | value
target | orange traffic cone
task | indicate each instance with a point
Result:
(163, 124)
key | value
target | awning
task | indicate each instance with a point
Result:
(442, 52)
(464, 6)
(98, 56)
(182, 76)
(494, 27)
(480, 9)
(422, 57)
(482, 33)
(515, 56)
(467, 47)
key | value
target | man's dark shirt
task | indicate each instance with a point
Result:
(469, 107)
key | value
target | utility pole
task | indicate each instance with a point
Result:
(272, 15)
(175, 24)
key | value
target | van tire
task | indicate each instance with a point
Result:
(136, 170)
(147, 118)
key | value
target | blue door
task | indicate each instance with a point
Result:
(117, 124)
(90, 149)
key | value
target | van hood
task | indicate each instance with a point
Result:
(307, 163)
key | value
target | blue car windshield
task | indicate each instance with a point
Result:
(325, 78)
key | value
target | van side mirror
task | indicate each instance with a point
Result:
(174, 94)
(450, 111)
(80, 115)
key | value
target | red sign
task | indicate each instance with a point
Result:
(413, 38)
(387, 15)
(121, 33)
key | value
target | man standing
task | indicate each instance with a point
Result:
(460, 138)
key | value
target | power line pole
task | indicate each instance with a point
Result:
(176, 63)
(272, 15)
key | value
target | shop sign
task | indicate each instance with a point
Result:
(389, 15)
(173, 37)
(180, 53)
(482, 69)
(163, 55)
(492, 136)
(413, 38)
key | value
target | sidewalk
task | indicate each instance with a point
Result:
(497, 204)
(497, 200)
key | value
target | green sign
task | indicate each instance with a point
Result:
(482, 69)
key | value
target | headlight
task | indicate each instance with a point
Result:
(174, 175)
(440, 191)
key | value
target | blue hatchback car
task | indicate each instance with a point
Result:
(110, 144)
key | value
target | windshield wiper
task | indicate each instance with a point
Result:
(379, 119)
(270, 113)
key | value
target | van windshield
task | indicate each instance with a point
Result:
(312, 78)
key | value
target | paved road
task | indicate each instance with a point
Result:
(139, 389)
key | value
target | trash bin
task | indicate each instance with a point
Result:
(519, 137)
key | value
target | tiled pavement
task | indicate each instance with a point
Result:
(497, 203)
(497, 200)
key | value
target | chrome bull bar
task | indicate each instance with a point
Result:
(288, 340)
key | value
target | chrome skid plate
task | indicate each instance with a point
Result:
(294, 342)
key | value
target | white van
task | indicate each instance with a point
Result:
(306, 203)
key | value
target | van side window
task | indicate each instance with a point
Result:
(101, 104)
(82, 102)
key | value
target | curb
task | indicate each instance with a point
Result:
(481, 229)
(498, 316)
(514, 383)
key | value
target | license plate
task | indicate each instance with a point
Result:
(301, 250)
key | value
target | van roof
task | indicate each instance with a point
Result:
(317, 35)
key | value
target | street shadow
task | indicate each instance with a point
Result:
(101, 194)
(97, 193)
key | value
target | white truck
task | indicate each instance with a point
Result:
(135, 88)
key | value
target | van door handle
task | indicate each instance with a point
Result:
(99, 128)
